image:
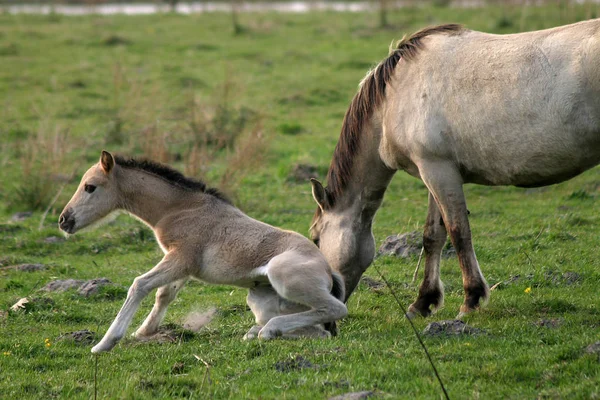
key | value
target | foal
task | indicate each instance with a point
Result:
(292, 289)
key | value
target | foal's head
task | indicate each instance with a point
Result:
(96, 197)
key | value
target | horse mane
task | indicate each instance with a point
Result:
(370, 94)
(170, 175)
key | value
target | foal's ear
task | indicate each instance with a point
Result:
(319, 194)
(107, 162)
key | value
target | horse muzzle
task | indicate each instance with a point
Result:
(66, 222)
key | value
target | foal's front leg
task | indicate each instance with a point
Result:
(163, 273)
(164, 296)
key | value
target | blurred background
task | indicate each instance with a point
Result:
(240, 93)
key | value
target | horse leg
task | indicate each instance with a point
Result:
(445, 183)
(304, 282)
(164, 296)
(431, 291)
(264, 303)
(164, 273)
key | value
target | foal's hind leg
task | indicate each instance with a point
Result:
(264, 303)
(304, 282)
(445, 183)
(431, 291)
(167, 271)
(164, 296)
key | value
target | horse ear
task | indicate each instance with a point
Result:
(319, 194)
(107, 162)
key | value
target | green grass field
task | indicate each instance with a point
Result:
(71, 87)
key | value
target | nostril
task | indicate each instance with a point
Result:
(61, 220)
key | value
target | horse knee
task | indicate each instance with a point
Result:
(138, 287)
(338, 310)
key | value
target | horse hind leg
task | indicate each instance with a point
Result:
(305, 283)
(164, 296)
(445, 183)
(431, 290)
(264, 303)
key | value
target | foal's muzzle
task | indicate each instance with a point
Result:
(66, 222)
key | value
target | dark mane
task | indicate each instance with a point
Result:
(370, 94)
(170, 175)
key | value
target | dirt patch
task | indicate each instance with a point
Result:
(28, 267)
(115, 40)
(565, 279)
(169, 333)
(84, 288)
(62, 285)
(83, 337)
(354, 395)
(550, 323)
(593, 349)
(92, 287)
(409, 244)
(372, 284)
(21, 216)
(450, 328)
(54, 239)
(302, 173)
(296, 363)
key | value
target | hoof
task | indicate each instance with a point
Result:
(141, 335)
(101, 348)
(269, 334)
(252, 333)
(413, 312)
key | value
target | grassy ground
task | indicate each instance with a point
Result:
(137, 85)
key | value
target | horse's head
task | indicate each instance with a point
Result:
(95, 198)
(344, 238)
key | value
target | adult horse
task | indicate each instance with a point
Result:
(453, 106)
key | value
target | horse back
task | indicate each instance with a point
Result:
(520, 109)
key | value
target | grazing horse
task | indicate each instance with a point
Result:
(452, 106)
(292, 289)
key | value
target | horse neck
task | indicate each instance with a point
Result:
(370, 176)
(148, 197)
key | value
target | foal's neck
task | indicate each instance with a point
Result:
(150, 197)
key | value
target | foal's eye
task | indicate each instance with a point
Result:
(89, 188)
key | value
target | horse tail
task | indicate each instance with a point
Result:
(339, 288)
(339, 292)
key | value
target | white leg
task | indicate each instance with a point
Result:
(306, 283)
(163, 273)
(164, 296)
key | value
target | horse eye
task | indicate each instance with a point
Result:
(89, 188)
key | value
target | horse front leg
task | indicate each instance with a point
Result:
(431, 291)
(164, 296)
(163, 273)
(445, 184)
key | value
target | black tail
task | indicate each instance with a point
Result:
(339, 292)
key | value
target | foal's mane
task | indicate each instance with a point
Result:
(370, 94)
(170, 175)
